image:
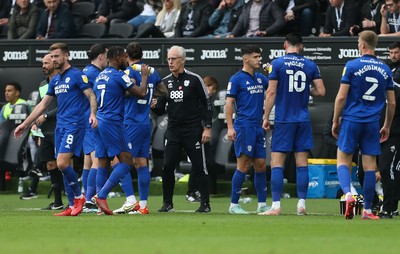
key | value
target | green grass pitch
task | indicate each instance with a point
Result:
(26, 229)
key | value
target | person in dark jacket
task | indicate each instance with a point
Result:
(55, 21)
(5, 7)
(225, 17)
(111, 11)
(23, 21)
(193, 19)
(270, 23)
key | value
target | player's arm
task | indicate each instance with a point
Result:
(318, 89)
(141, 90)
(269, 102)
(161, 90)
(37, 111)
(93, 106)
(340, 102)
(389, 114)
(230, 101)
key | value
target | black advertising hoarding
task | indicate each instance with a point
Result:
(199, 52)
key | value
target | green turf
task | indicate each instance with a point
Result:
(26, 230)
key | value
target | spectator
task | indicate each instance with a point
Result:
(359, 101)
(110, 87)
(187, 96)
(5, 9)
(300, 15)
(55, 22)
(371, 17)
(390, 12)
(70, 86)
(12, 93)
(115, 11)
(23, 21)
(289, 88)
(148, 15)
(165, 22)
(259, 18)
(193, 19)
(246, 91)
(340, 16)
(225, 17)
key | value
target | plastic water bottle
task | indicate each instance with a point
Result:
(245, 200)
(138, 67)
(20, 185)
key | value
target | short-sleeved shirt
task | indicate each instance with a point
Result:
(248, 92)
(294, 74)
(137, 110)
(91, 71)
(68, 87)
(369, 79)
(110, 87)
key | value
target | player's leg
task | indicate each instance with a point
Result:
(260, 177)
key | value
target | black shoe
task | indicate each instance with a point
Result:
(204, 208)
(385, 215)
(53, 206)
(166, 208)
(395, 213)
(192, 197)
(29, 195)
(89, 207)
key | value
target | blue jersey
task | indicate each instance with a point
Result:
(137, 111)
(110, 87)
(248, 92)
(91, 71)
(294, 74)
(368, 78)
(68, 88)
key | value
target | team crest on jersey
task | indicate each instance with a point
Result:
(85, 79)
(67, 80)
(186, 83)
(259, 80)
(249, 148)
(169, 85)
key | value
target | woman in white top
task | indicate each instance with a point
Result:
(165, 22)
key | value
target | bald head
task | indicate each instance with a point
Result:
(47, 65)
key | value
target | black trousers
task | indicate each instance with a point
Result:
(190, 140)
(389, 166)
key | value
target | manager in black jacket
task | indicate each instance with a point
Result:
(187, 100)
(270, 23)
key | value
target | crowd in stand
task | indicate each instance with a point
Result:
(42, 19)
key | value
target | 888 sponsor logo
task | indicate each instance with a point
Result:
(176, 96)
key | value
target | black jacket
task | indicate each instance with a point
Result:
(350, 17)
(118, 9)
(271, 19)
(201, 13)
(64, 23)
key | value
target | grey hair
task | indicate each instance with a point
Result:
(181, 50)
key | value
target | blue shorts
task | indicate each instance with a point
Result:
(111, 140)
(292, 137)
(88, 141)
(139, 136)
(365, 136)
(250, 141)
(69, 139)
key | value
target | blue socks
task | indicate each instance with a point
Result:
(302, 182)
(68, 192)
(91, 184)
(101, 178)
(126, 185)
(85, 174)
(344, 178)
(237, 182)
(143, 182)
(369, 188)
(260, 183)
(72, 180)
(276, 183)
(120, 170)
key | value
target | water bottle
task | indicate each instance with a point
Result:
(245, 200)
(138, 67)
(20, 185)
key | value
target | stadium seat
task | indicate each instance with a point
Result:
(84, 9)
(92, 30)
(158, 137)
(33, 98)
(119, 30)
